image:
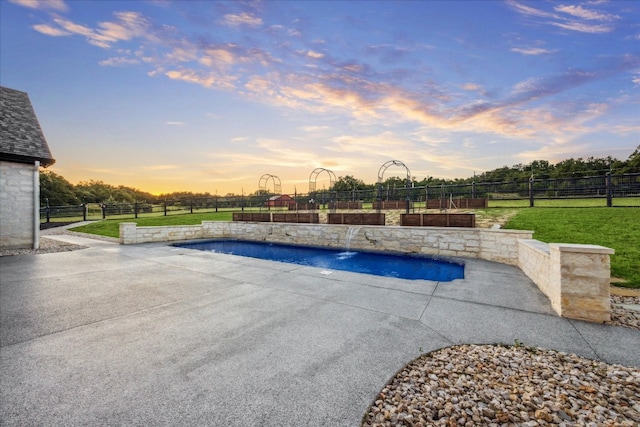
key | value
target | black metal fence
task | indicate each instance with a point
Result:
(612, 190)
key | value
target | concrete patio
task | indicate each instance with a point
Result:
(151, 334)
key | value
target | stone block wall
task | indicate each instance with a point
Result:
(492, 245)
(131, 234)
(575, 278)
(534, 260)
(19, 215)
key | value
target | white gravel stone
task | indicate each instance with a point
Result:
(493, 385)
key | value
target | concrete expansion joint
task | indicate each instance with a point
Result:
(572, 322)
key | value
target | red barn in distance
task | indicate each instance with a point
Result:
(280, 201)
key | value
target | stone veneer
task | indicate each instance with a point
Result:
(19, 194)
(483, 243)
(575, 278)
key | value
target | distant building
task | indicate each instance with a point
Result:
(23, 149)
(282, 200)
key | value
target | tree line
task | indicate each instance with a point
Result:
(55, 190)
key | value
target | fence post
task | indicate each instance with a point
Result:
(609, 190)
(85, 208)
(103, 206)
(48, 210)
(408, 198)
(531, 203)
(190, 205)
(165, 206)
(426, 197)
(474, 195)
(135, 209)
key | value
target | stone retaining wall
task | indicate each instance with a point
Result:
(575, 278)
(131, 234)
(483, 243)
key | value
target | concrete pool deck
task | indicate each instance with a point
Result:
(151, 334)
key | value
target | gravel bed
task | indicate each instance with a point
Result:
(47, 246)
(621, 316)
(493, 385)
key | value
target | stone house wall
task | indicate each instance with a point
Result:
(19, 205)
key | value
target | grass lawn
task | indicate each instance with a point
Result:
(616, 228)
(565, 203)
(111, 227)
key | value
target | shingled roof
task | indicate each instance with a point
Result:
(21, 138)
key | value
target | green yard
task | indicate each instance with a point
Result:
(617, 228)
(111, 227)
(566, 203)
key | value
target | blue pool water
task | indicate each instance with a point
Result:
(381, 264)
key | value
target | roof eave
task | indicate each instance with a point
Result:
(16, 158)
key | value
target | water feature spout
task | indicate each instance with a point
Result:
(351, 233)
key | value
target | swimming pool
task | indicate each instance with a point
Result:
(386, 264)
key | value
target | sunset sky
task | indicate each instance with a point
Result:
(210, 96)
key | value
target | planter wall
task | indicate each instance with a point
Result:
(303, 206)
(345, 205)
(458, 203)
(439, 220)
(252, 216)
(356, 218)
(297, 217)
(392, 204)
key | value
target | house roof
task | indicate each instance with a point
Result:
(21, 138)
(281, 197)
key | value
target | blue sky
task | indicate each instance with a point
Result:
(210, 96)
